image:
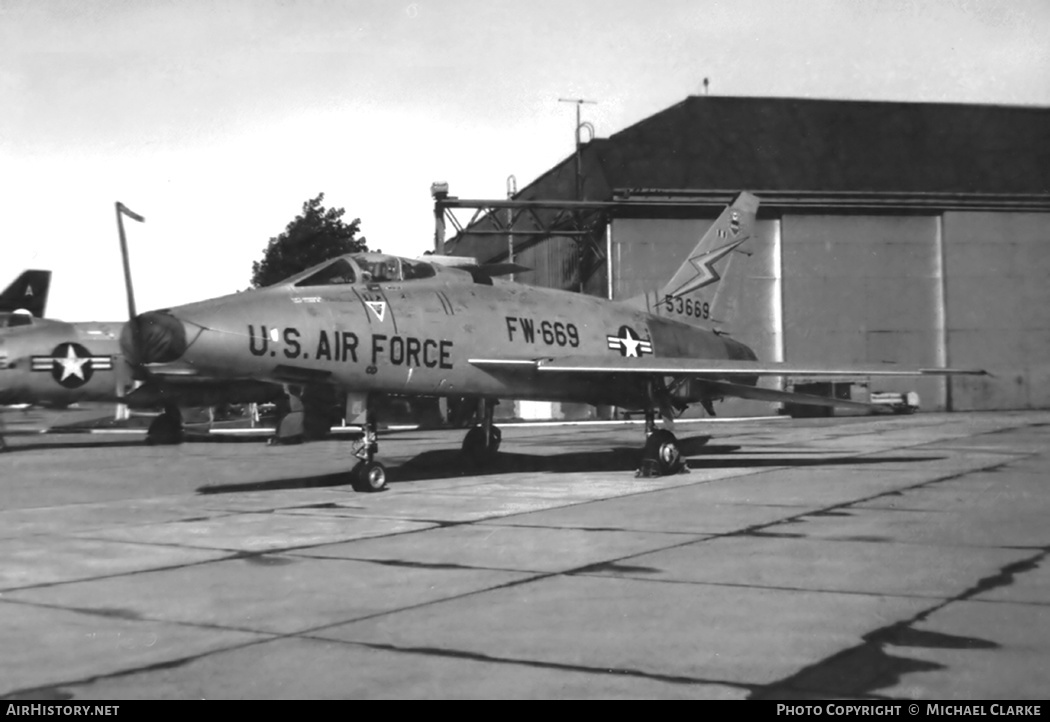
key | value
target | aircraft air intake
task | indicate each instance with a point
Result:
(153, 337)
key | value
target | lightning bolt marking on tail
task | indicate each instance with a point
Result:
(705, 270)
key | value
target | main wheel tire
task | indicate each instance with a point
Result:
(662, 447)
(368, 476)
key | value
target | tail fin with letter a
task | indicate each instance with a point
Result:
(28, 292)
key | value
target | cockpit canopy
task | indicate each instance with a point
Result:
(15, 319)
(363, 268)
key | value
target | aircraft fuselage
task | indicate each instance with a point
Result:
(59, 363)
(420, 336)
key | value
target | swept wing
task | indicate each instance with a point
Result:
(711, 367)
(721, 376)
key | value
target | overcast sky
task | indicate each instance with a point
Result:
(217, 119)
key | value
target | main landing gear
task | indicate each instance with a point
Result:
(661, 455)
(482, 442)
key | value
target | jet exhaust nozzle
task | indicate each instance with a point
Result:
(153, 337)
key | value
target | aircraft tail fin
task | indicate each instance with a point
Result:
(27, 292)
(696, 294)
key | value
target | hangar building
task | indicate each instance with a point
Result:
(916, 233)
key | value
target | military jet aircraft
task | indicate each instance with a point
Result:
(25, 298)
(57, 363)
(368, 324)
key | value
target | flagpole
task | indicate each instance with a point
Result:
(121, 212)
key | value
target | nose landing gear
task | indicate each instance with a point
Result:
(368, 475)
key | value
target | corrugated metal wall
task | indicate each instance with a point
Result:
(559, 262)
(997, 268)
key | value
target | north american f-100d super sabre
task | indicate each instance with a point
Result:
(369, 324)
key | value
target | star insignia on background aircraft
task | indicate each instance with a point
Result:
(629, 344)
(705, 266)
(71, 364)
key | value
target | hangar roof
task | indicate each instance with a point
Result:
(793, 144)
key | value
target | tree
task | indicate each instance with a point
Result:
(313, 237)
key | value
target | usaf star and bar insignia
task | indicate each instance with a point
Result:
(71, 365)
(629, 343)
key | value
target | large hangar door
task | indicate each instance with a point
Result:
(865, 289)
(998, 307)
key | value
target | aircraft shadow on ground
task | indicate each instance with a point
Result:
(124, 443)
(14, 446)
(449, 463)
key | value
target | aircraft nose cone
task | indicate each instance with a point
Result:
(153, 337)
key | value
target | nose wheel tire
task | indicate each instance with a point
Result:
(368, 476)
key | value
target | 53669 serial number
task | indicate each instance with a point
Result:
(687, 307)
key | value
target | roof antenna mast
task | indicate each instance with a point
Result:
(579, 126)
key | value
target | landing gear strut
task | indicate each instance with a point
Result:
(166, 428)
(368, 474)
(482, 442)
(661, 455)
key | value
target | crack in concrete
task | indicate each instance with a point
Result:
(866, 667)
